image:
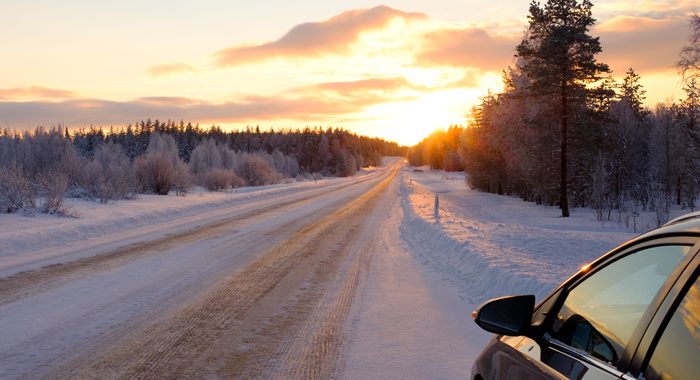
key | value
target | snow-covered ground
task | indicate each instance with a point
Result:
(30, 242)
(410, 317)
(413, 318)
(478, 246)
(489, 245)
(407, 322)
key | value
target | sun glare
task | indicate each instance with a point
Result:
(492, 82)
(427, 104)
(408, 122)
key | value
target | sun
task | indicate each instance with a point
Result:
(408, 122)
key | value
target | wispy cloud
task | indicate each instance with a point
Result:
(645, 43)
(170, 69)
(382, 87)
(333, 36)
(467, 47)
(428, 43)
(653, 9)
(35, 92)
(469, 79)
(310, 103)
(169, 100)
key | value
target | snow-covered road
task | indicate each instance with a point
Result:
(353, 278)
(260, 289)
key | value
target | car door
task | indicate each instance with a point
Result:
(670, 348)
(591, 325)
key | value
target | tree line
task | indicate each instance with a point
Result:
(39, 168)
(564, 132)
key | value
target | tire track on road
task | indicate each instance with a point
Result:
(315, 348)
(242, 329)
(26, 283)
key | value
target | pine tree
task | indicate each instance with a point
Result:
(633, 93)
(559, 58)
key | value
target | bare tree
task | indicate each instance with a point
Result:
(205, 156)
(256, 171)
(161, 168)
(51, 187)
(660, 201)
(600, 190)
(16, 192)
(689, 62)
(219, 179)
(108, 176)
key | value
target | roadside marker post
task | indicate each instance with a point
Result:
(437, 206)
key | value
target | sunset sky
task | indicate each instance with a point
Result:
(397, 69)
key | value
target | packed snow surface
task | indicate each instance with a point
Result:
(30, 242)
(428, 267)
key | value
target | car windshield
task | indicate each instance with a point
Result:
(601, 313)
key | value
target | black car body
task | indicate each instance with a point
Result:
(632, 314)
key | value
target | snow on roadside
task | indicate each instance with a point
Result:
(488, 245)
(19, 234)
(407, 323)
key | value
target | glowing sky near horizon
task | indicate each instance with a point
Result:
(396, 70)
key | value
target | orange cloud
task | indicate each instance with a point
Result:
(470, 47)
(35, 92)
(169, 100)
(303, 106)
(384, 86)
(644, 43)
(655, 9)
(333, 36)
(362, 87)
(469, 79)
(628, 24)
(169, 69)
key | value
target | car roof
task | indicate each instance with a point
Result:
(688, 224)
(684, 218)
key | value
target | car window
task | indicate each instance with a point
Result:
(600, 314)
(677, 353)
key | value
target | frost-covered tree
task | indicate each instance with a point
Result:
(633, 94)
(346, 164)
(218, 179)
(16, 192)
(285, 165)
(160, 169)
(205, 156)
(39, 163)
(108, 176)
(51, 187)
(689, 62)
(256, 171)
(689, 150)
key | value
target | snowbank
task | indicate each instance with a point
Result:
(488, 245)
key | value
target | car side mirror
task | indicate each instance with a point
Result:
(506, 316)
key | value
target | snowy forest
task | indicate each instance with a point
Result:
(39, 168)
(564, 132)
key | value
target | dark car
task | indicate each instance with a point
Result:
(634, 313)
